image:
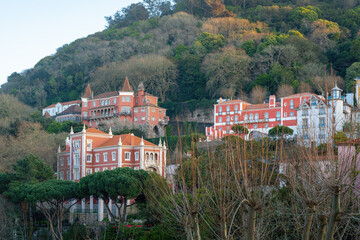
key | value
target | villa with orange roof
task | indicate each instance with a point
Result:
(92, 150)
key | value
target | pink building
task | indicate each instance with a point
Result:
(255, 117)
(125, 105)
(92, 150)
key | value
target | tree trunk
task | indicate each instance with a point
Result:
(31, 227)
(123, 217)
(250, 232)
(322, 230)
(335, 212)
(196, 226)
(308, 223)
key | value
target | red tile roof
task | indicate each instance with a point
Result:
(261, 106)
(74, 109)
(126, 139)
(87, 93)
(107, 94)
(126, 86)
(94, 130)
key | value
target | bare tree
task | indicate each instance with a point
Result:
(284, 90)
(258, 94)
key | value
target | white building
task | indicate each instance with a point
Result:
(57, 108)
(317, 118)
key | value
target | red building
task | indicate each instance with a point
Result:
(92, 150)
(125, 105)
(255, 117)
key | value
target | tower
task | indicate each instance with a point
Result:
(337, 105)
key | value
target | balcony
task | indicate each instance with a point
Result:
(125, 114)
(228, 112)
(101, 116)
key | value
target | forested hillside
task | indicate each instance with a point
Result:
(203, 49)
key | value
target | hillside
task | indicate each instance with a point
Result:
(205, 49)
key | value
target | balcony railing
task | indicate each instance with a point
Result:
(125, 113)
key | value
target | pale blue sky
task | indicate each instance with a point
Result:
(33, 29)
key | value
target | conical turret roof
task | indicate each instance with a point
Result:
(87, 93)
(126, 86)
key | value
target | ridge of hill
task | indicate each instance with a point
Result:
(200, 50)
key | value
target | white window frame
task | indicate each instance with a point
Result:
(105, 156)
(112, 168)
(97, 157)
(68, 176)
(97, 169)
(87, 158)
(136, 156)
(113, 156)
(105, 168)
(88, 171)
(61, 161)
(129, 156)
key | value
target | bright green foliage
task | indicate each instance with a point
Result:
(272, 40)
(295, 33)
(211, 41)
(240, 129)
(340, 137)
(308, 13)
(58, 127)
(249, 47)
(280, 131)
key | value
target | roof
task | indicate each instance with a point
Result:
(261, 106)
(107, 94)
(47, 115)
(233, 101)
(336, 88)
(300, 94)
(87, 93)
(94, 130)
(349, 142)
(126, 86)
(126, 139)
(73, 109)
(65, 103)
(148, 105)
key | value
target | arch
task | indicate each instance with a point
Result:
(156, 156)
(156, 130)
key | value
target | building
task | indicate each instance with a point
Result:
(58, 108)
(92, 150)
(317, 119)
(255, 117)
(125, 105)
(312, 117)
(72, 113)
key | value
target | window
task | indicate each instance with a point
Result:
(88, 171)
(142, 109)
(236, 108)
(105, 157)
(127, 156)
(256, 117)
(128, 99)
(113, 156)
(228, 109)
(322, 111)
(61, 162)
(85, 114)
(291, 114)
(97, 169)
(135, 119)
(76, 159)
(85, 104)
(305, 112)
(220, 109)
(228, 120)
(105, 168)
(114, 101)
(313, 102)
(291, 104)
(245, 117)
(153, 119)
(61, 175)
(76, 173)
(220, 119)
(136, 156)
(68, 161)
(89, 145)
(143, 118)
(94, 104)
(322, 122)
(97, 157)
(236, 118)
(278, 116)
(285, 114)
(68, 177)
(112, 168)
(322, 133)
(135, 110)
(125, 109)
(266, 125)
(266, 116)
(88, 158)
(305, 123)
(251, 117)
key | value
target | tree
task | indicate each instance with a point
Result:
(211, 41)
(127, 16)
(307, 13)
(258, 94)
(284, 90)
(240, 129)
(280, 131)
(51, 197)
(351, 73)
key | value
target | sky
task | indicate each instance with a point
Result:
(33, 29)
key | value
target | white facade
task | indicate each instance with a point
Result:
(317, 119)
(57, 108)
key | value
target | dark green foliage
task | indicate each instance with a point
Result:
(280, 131)
(240, 129)
(249, 47)
(58, 127)
(127, 16)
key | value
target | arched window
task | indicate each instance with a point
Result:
(256, 117)
(291, 104)
(245, 117)
(156, 156)
(251, 117)
(266, 116)
(151, 157)
(147, 156)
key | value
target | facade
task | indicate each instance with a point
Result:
(317, 119)
(125, 105)
(255, 117)
(92, 151)
(72, 113)
(58, 108)
(312, 117)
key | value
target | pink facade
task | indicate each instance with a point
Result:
(255, 117)
(92, 151)
(349, 164)
(124, 105)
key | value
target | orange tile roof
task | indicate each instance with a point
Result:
(261, 106)
(234, 101)
(87, 93)
(126, 86)
(126, 139)
(300, 94)
(64, 103)
(94, 130)
(107, 94)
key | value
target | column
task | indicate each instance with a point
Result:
(83, 206)
(109, 205)
(100, 209)
(91, 204)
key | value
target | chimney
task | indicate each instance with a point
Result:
(272, 101)
(220, 100)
